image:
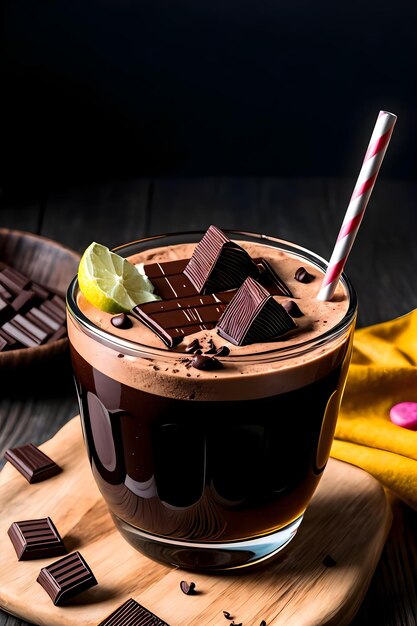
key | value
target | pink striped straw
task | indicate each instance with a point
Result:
(364, 185)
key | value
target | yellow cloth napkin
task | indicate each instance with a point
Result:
(383, 372)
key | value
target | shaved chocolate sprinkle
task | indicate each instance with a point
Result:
(253, 316)
(227, 615)
(66, 578)
(32, 463)
(193, 347)
(36, 539)
(293, 309)
(207, 363)
(303, 276)
(187, 588)
(121, 321)
(218, 263)
(131, 613)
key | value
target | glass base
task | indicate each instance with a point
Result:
(214, 556)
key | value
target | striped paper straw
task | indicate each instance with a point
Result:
(364, 185)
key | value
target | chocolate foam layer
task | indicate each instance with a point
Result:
(244, 375)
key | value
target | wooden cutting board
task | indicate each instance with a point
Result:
(348, 519)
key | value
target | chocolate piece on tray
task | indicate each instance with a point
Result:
(253, 316)
(66, 578)
(36, 539)
(207, 363)
(32, 463)
(218, 263)
(131, 613)
(121, 321)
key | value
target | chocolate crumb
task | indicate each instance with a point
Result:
(293, 309)
(156, 368)
(193, 346)
(121, 321)
(175, 371)
(223, 351)
(329, 561)
(188, 375)
(212, 348)
(120, 356)
(303, 276)
(227, 615)
(201, 362)
(188, 589)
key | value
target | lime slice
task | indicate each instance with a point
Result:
(110, 283)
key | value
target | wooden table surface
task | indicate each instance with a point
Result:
(382, 266)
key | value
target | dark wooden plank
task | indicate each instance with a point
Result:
(111, 213)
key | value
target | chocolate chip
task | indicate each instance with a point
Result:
(293, 309)
(187, 588)
(212, 348)
(329, 561)
(227, 615)
(263, 623)
(193, 346)
(303, 276)
(223, 351)
(121, 321)
(201, 362)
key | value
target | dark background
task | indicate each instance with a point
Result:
(93, 90)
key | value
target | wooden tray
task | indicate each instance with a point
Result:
(348, 519)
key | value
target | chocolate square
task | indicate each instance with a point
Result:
(253, 316)
(32, 463)
(218, 264)
(36, 539)
(131, 613)
(66, 578)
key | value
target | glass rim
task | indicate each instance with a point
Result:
(135, 348)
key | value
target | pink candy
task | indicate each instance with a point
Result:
(404, 414)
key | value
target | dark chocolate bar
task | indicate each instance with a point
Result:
(36, 539)
(219, 264)
(182, 310)
(32, 463)
(66, 578)
(131, 613)
(30, 314)
(253, 316)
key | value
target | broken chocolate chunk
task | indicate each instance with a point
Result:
(131, 613)
(329, 561)
(36, 539)
(303, 276)
(218, 263)
(32, 463)
(212, 348)
(253, 316)
(187, 588)
(193, 347)
(227, 615)
(270, 279)
(121, 321)
(293, 309)
(223, 351)
(207, 363)
(66, 578)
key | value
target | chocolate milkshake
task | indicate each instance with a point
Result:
(206, 438)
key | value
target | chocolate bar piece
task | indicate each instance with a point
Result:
(36, 539)
(6, 311)
(131, 613)
(66, 578)
(172, 320)
(13, 280)
(253, 316)
(3, 344)
(218, 264)
(32, 463)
